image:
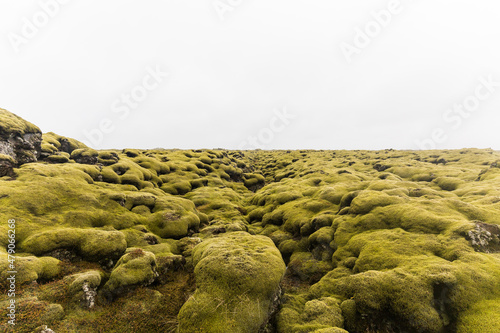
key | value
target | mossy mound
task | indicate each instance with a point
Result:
(77, 281)
(13, 124)
(85, 156)
(137, 267)
(29, 269)
(482, 317)
(93, 245)
(317, 315)
(237, 278)
(53, 143)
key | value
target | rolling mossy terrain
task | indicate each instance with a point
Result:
(187, 241)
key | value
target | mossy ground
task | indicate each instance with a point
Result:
(374, 241)
(10, 123)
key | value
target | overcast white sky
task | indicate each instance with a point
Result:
(419, 78)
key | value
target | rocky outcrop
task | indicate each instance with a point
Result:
(485, 237)
(57, 149)
(20, 142)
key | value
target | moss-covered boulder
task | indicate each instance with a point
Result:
(82, 287)
(53, 143)
(137, 267)
(19, 139)
(485, 237)
(238, 279)
(317, 315)
(85, 156)
(91, 244)
(29, 268)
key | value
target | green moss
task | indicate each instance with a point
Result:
(92, 244)
(317, 315)
(50, 142)
(53, 312)
(330, 330)
(137, 267)
(348, 308)
(206, 160)
(84, 154)
(253, 181)
(141, 210)
(322, 236)
(54, 142)
(108, 157)
(169, 224)
(179, 187)
(131, 179)
(30, 268)
(58, 158)
(448, 183)
(275, 217)
(324, 311)
(7, 158)
(481, 317)
(109, 176)
(131, 152)
(307, 268)
(237, 275)
(10, 123)
(365, 201)
(76, 281)
(322, 220)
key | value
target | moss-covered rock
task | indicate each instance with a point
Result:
(29, 268)
(82, 287)
(85, 156)
(237, 277)
(93, 245)
(137, 267)
(317, 315)
(19, 139)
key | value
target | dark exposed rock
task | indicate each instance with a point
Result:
(269, 325)
(65, 255)
(89, 295)
(379, 167)
(66, 146)
(20, 142)
(7, 166)
(485, 237)
(151, 240)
